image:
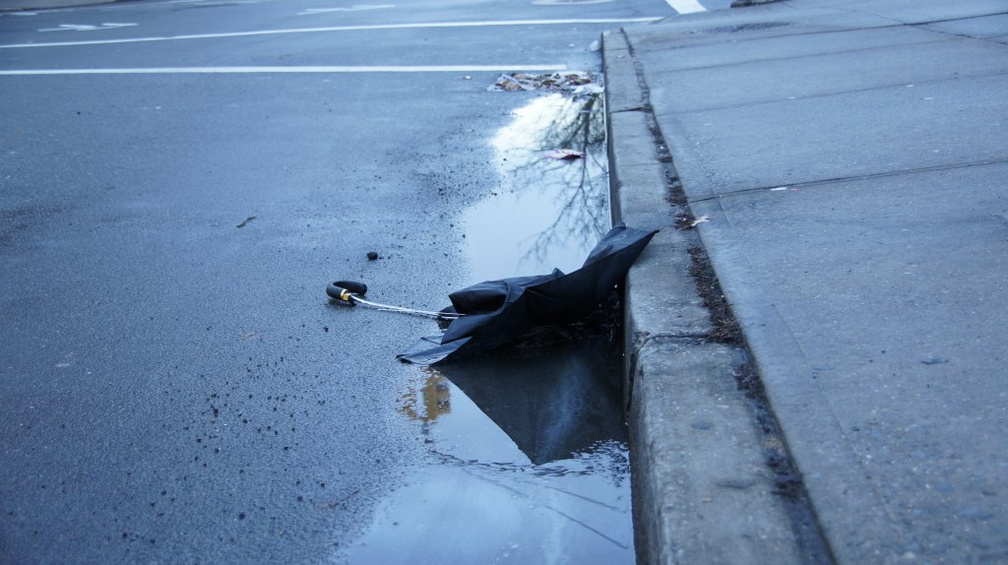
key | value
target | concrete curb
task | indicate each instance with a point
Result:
(702, 487)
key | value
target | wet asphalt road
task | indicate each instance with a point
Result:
(175, 385)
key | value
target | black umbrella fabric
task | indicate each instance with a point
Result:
(496, 312)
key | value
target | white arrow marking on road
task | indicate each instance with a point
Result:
(355, 8)
(292, 69)
(686, 6)
(378, 27)
(77, 27)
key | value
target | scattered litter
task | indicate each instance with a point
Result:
(551, 81)
(564, 154)
(372, 256)
(701, 220)
(777, 189)
(687, 221)
(509, 83)
(587, 90)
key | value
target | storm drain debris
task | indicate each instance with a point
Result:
(570, 81)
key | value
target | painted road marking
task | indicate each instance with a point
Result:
(376, 27)
(69, 27)
(569, 2)
(354, 8)
(291, 69)
(205, 3)
(686, 6)
(75, 27)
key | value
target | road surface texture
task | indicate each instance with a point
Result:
(179, 182)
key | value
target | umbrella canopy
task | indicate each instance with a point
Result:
(496, 312)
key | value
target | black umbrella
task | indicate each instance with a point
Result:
(493, 313)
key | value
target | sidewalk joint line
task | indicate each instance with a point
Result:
(853, 178)
(817, 32)
(896, 85)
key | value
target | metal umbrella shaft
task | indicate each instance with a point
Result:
(338, 291)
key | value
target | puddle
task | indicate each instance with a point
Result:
(547, 213)
(528, 463)
(527, 448)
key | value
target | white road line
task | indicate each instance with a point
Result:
(292, 69)
(77, 27)
(686, 6)
(205, 3)
(354, 8)
(69, 27)
(431, 25)
(569, 2)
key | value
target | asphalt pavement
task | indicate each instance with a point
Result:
(843, 167)
(178, 183)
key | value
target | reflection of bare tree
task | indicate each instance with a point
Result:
(580, 186)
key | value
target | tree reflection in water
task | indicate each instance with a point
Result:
(576, 191)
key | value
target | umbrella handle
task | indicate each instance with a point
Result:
(351, 293)
(353, 286)
(344, 291)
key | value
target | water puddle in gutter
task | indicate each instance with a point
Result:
(528, 457)
(549, 212)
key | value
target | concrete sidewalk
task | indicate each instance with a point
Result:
(847, 167)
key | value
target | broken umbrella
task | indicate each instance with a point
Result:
(492, 313)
